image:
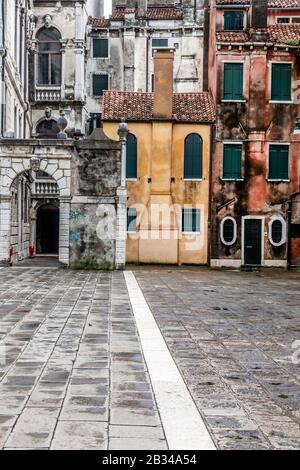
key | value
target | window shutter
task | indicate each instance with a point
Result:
(233, 20)
(233, 81)
(131, 157)
(232, 161)
(100, 48)
(281, 82)
(278, 162)
(100, 83)
(193, 157)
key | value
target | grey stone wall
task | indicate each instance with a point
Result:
(96, 170)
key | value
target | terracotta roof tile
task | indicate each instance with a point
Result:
(285, 34)
(284, 3)
(233, 2)
(230, 36)
(288, 34)
(98, 22)
(137, 106)
(162, 12)
(271, 3)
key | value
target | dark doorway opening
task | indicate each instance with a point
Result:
(253, 242)
(47, 229)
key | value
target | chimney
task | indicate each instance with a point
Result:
(259, 14)
(163, 83)
(142, 7)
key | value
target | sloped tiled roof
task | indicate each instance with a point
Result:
(152, 13)
(288, 34)
(232, 36)
(137, 106)
(164, 13)
(119, 13)
(284, 3)
(284, 33)
(271, 3)
(98, 22)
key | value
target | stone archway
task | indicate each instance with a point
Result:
(59, 168)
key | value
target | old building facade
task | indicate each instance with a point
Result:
(230, 191)
(58, 193)
(168, 167)
(120, 49)
(253, 74)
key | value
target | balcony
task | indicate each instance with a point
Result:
(48, 94)
(44, 188)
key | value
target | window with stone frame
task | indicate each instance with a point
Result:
(49, 57)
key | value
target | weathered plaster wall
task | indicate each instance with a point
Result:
(160, 184)
(256, 123)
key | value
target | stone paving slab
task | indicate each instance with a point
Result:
(231, 335)
(71, 363)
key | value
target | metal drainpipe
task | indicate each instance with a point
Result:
(147, 63)
(3, 64)
(289, 221)
(25, 82)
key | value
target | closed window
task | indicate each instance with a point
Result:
(131, 157)
(233, 20)
(278, 162)
(281, 82)
(131, 219)
(232, 161)
(100, 48)
(161, 42)
(228, 231)
(193, 157)
(277, 231)
(100, 83)
(233, 81)
(191, 220)
(49, 57)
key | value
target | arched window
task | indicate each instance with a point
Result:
(131, 157)
(47, 128)
(49, 57)
(277, 231)
(193, 157)
(228, 231)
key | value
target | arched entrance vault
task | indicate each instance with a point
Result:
(54, 191)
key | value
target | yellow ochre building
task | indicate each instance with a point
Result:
(167, 167)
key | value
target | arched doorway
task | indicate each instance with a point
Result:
(47, 229)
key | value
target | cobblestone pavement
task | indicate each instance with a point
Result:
(72, 375)
(233, 336)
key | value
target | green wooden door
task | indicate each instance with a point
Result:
(252, 241)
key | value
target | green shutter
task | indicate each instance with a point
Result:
(279, 162)
(100, 48)
(131, 157)
(233, 81)
(162, 42)
(233, 20)
(232, 161)
(281, 82)
(100, 83)
(193, 157)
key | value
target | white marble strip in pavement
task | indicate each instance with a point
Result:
(182, 422)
